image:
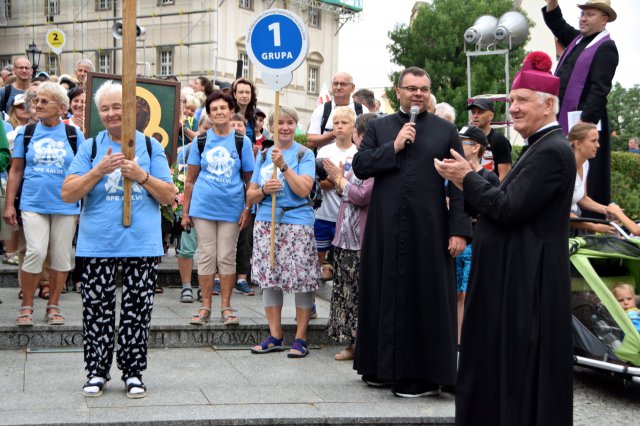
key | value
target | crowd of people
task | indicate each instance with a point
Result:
(411, 248)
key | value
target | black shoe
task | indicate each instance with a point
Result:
(373, 381)
(415, 389)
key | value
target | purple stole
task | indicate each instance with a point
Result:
(578, 76)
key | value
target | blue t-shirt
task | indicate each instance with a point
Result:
(49, 155)
(7, 127)
(286, 197)
(101, 233)
(218, 193)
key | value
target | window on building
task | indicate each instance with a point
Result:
(246, 65)
(7, 9)
(4, 61)
(165, 61)
(312, 80)
(314, 17)
(52, 64)
(166, 2)
(103, 5)
(104, 62)
(51, 7)
(246, 4)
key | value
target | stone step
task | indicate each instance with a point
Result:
(170, 326)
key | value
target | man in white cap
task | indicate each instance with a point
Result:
(516, 356)
(586, 70)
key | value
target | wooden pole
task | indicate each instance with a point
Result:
(274, 175)
(128, 98)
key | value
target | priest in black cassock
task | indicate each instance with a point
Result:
(406, 333)
(516, 358)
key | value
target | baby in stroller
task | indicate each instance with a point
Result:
(626, 296)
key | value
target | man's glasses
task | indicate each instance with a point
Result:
(468, 143)
(340, 84)
(43, 102)
(414, 89)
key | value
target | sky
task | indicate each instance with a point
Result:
(378, 17)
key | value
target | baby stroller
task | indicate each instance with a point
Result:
(603, 336)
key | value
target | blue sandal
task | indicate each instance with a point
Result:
(300, 346)
(270, 344)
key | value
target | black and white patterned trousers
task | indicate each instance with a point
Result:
(139, 276)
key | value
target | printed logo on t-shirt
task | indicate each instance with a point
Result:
(114, 186)
(265, 174)
(48, 152)
(220, 162)
(487, 160)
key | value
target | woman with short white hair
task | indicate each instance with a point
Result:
(97, 174)
(42, 152)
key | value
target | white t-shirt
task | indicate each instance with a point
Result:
(330, 200)
(316, 118)
(579, 189)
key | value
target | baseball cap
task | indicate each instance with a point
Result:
(19, 100)
(482, 103)
(475, 134)
(260, 113)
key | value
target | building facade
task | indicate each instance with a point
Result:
(184, 38)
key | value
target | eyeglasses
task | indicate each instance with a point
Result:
(414, 89)
(43, 102)
(468, 143)
(340, 84)
(22, 68)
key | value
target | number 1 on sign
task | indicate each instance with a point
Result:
(275, 27)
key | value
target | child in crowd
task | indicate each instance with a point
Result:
(625, 295)
(245, 239)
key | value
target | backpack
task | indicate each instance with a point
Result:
(327, 112)
(315, 196)
(72, 137)
(202, 140)
(94, 148)
(5, 99)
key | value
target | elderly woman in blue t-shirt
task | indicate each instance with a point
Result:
(296, 266)
(214, 203)
(42, 152)
(105, 244)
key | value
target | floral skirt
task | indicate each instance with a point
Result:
(343, 316)
(296, 267)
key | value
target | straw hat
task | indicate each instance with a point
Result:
(603, 5)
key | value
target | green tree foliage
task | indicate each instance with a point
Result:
(624, 115)
(434, 41)
(625, 182)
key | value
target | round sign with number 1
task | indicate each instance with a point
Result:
(277, 41)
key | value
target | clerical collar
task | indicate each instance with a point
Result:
(407, 114)
(541, 132)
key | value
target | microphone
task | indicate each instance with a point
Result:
(414, 111)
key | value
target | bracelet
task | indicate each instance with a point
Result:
(338, 183)
(146, 178)
(262, 189)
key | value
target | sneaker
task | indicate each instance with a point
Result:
(242, 287)
(314, 312)
(216, 287)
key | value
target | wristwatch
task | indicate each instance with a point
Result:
(284, 168)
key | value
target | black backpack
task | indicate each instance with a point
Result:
(94, 148)
(202, 140)
(72, 137)
(327, 112)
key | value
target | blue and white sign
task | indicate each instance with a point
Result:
(277, 42)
